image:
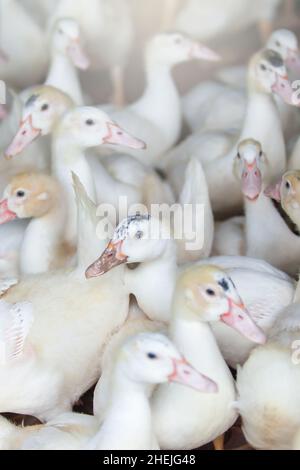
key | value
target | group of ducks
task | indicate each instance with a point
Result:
(160, 327)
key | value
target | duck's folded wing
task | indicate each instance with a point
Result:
(15, 323)
(6, 284)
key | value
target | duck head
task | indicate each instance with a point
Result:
(210, 295)
(90, 127)
(173, 48)
(29, 195)
(3, 112)
(153, 358)
(249, 167)
(285, 42)
(287, 192)
(268, 74)
(40, 114)
(66, 40)
(138, 238)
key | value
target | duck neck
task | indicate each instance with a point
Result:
(160, 102)
(160, 277)
(63, 75)
(196, 341)
(41, 240)
(263, 124)
(128, 417)
(68, 158)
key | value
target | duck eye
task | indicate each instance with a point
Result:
(239, 155)
(20, 193)
(139, 235)
(45, 107)
(263, 67)
(151, 356)
(210, 292)
(288, 185)
(261, 153)
(90, 122)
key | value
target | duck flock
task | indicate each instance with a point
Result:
(150, 247)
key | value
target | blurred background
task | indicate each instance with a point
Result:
(234, 28)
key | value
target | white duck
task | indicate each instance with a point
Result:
(267, 75)
(275, 241)
(108, 29)
(157, 115)
(73, 319)
(67, 54)
(269, 387)
(24, 44)
(78, 130)
(74, 131)
(144, 360)
(203, 295)
(217, 105)
(143, 239)
(37, 197)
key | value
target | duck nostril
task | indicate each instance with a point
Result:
(24, 132)
(120, 133)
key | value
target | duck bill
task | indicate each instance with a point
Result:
(78, 55)
(26, 134)
(6, 215)
(293, 60)
(240, 320)
(3, 56)
(283, 88)
(251, 182)
(111, 258)
(3, 112)
(199, 51)
(273, 191)
(185, 374)
(117, 136)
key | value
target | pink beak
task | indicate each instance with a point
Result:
(3, 56)
(283, 88)
(186, 375)
(3, 112)
(198, 51)
(25, 135)
(239, 319)
(118, 136)
(78, 56)
(5, 214)
(293, 60)
(273, 191)
(251, 182)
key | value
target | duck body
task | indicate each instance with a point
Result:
(268, 387)
(198, 418)
(43, 369)
(279, 247)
